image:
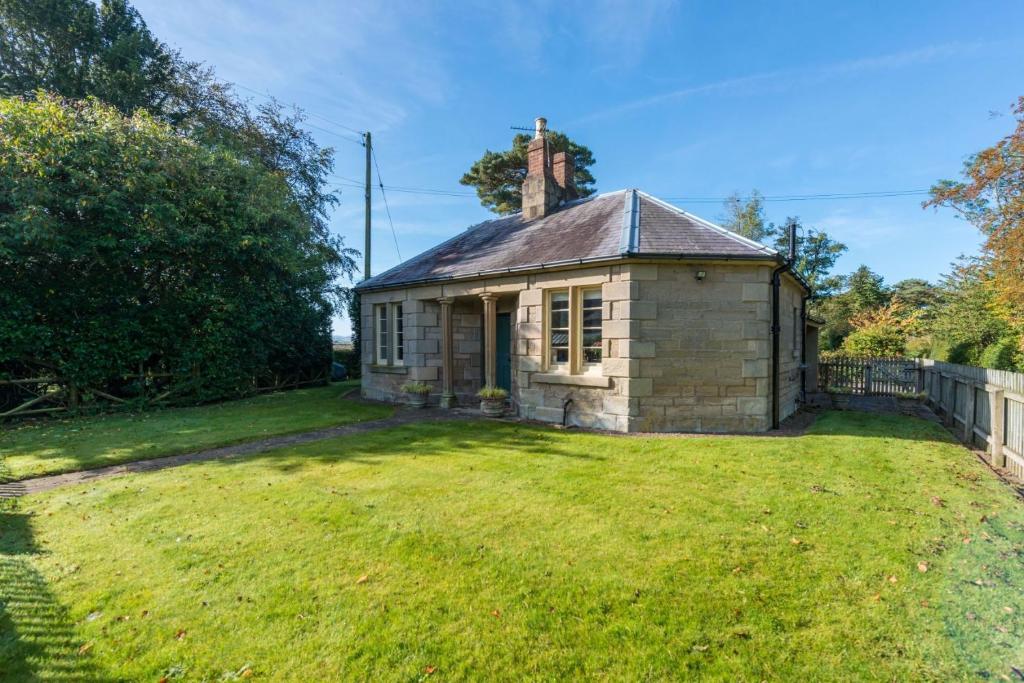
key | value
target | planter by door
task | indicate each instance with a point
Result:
(418, 400)
(492, 407)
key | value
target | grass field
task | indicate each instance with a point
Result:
(871, 548)
(53, 446)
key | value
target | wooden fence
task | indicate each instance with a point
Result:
(870, 376)
(983, 407)
(45, 393)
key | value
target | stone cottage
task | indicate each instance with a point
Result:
(618, 311)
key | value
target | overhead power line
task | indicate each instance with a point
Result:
(387, 208)
(880, 194)
(347, 138)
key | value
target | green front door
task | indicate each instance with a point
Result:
(503, 351)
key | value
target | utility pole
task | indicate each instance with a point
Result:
(368, 144)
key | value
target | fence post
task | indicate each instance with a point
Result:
(867, 379)
(969, 414)
(920, 375)
(949, 397)
(996, 431)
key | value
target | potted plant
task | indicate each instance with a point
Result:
(492, 401)
(418, 392)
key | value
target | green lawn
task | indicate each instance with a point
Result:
(499, 551)
(53, 446)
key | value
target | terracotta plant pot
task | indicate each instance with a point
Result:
(492, 407)
(418, 400)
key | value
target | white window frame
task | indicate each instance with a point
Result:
(574, 364)
(380, 334)
(584, 366)
(397, 328)
(549, 351)
(388, 338)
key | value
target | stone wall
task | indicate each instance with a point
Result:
(704, 347)
(422, 335)
(679, 354)
(598, 402)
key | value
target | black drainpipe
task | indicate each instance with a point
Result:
(776, 328)
(803, 349)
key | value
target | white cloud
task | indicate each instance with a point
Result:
(785, 79)
(362, 63)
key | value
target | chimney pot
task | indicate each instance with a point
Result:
(540, 126)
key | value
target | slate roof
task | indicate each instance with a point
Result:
(617, 225)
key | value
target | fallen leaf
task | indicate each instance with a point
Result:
(795, 541)
(971, 616)
(496, 614)
(85, 648)
(925, 603)
(363, 579)
(893, 579)
(737, 570)
(93, 616)
(1008, 610)
(876, 597)
(938, 502)
(180, 635)
(700, 648)
(429, 670)
(922, 567)
(246, 673)
(967, 540)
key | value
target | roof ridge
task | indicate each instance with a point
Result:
(713, 226)
(629, 242)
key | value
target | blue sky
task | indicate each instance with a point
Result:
(681, 99)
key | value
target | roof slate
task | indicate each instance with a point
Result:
(608, 226)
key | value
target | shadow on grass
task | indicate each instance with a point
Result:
(54, 446)
(879, 425)
(427, 439)
(37, 636)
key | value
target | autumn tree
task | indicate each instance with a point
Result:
(965, 322)
(878, 331)
(498, 176)
(991, 197)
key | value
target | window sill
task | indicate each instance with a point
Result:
(579, 380)
(390, 369)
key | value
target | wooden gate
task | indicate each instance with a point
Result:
(870, 376)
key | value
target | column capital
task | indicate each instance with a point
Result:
(446, 300)
(489, 296)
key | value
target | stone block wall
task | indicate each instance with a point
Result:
(678, 354)
(703, 346)
(597, 401)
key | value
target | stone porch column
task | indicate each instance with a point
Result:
(447, 354)
(490, 337)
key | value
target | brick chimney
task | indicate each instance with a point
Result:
(540, 192)
(563, 167)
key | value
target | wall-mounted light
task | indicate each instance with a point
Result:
(700, 275)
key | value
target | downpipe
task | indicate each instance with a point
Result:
(777, 328)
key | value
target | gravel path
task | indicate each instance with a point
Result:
(16, 489)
